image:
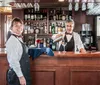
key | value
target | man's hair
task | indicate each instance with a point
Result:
(70, 20)
(16, 19)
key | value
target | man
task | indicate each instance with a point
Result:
(70, 39)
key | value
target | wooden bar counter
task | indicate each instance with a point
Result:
(65, 68)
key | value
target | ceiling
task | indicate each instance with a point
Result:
(18, 4)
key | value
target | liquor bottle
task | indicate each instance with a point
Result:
(25, 14)
(25, 30)
(41, 28)
(60, 15)
(50, 42)
(63, 15)
(57, 16)
(32, 15)
(28, 27)
(45, 28)
(59, 27)
(56, 28)
(41, 17)
(28, 16)
(37, 30)
(50, 29)
(44, 43)
(53, 28)
(51, 15)
(54, 15)
(31, 28)
(63, 27)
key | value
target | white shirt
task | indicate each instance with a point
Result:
(77, 40)
(14, 53)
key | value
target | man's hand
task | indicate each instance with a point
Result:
(22, 80)
(59, 35)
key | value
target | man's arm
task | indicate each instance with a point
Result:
(57, 37)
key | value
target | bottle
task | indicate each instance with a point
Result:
(28, 27)
(26, 31)
(25, 14)
(54, 15)
(45, 28)
(37, 30)
(32, 15)
(44, 43)
(59, 28)
(63, 27)
(50, 43)
(63, 15)
(53, 29)
(56, 28)
(28, 16)
(32, 28)
(50, 29)
(41, 28)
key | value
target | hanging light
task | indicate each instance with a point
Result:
(61, 0)
(5, 6)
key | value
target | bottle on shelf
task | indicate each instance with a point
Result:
(32, 14)
(25, 30)
(41, 28)
(25, 14)
(44, 43)
(53, 28)
(31, 28)
(29, 15)
(56, 28)
(54, 15)
(37, 29)
(50, 29)
(28, 27)
(63, 15)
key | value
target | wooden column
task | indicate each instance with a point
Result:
(2, 44)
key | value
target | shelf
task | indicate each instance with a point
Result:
(35, 21)
(57, 20)
(39, 35)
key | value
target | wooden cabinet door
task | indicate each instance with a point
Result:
(43, 78)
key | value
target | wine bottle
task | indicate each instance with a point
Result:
(53, 29)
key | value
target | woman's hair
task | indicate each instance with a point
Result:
(16, 19)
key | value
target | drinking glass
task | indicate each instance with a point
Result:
(64, 44)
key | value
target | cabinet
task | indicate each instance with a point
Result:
(43, 24)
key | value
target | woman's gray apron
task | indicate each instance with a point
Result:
(25, 67)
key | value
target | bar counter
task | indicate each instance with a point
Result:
(64, 68)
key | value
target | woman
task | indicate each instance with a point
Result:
(17, 56)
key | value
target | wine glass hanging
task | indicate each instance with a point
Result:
(36, 5)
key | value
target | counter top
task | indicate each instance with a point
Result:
(63, 54)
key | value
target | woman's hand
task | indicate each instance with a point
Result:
(22, 80)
